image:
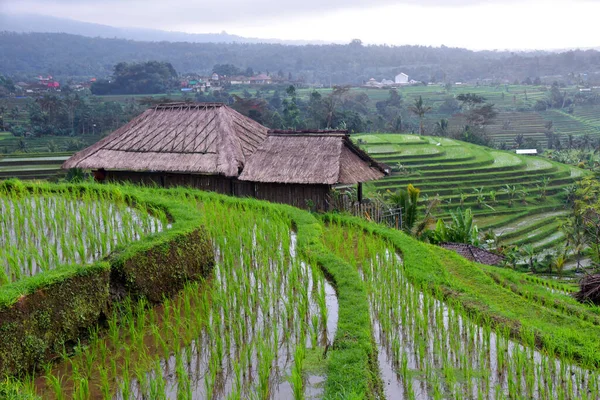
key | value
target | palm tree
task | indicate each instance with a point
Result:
(441, 127)
(420, 110)
(529, 251)
(408, 201)
(574, 231)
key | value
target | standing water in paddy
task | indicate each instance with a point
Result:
(257, 328)
(41, 232)
(429, 349)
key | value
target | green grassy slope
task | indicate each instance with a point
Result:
(455, 170)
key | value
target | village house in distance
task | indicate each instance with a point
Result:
(401, 79)
(213, 147)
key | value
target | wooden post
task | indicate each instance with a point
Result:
(360, 192)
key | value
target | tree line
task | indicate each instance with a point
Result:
(29, 54)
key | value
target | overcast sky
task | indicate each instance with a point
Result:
(483, 24)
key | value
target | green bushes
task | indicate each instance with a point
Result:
(153, 270)
(52, 313)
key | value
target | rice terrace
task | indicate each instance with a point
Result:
(220, 216)
(137, 292)
(158, 290)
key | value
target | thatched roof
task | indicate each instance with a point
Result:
(308, 158)
(474, 253)
(206, 138)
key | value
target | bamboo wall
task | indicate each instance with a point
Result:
(315, 197)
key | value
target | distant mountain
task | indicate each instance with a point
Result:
(42, 23)
(66, 56)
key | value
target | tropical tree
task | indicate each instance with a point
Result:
(528, 251)
(441, 127)
(559, 264)
(420, 110)
(461, 229)
(469, 100)
(511, 256)
(333, 101)
(573, 229)
(512, 192)
(492, 195)
(407, 200)
(523, 193)
(479, 197)
(543, 188)
(291, 112)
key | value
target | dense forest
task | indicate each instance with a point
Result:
(70, 56)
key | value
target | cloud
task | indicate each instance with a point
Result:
(160, 13)
(475, 24)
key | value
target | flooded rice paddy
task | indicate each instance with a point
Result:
(38, 233)
(431, 350)
(259, 327)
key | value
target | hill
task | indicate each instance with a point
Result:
(66, 56)
(24, 23)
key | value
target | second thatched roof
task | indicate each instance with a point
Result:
(311, 158)
(204, 138)
(474, 253)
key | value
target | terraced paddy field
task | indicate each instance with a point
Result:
(519, 198)
(293, 306)
(10, 144)
(33, 165)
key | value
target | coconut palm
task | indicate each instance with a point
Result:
(574, 231)
(420, 110)
(441, 127)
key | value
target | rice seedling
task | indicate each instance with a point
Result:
(239, 334)
(49, 229)
(438, 349)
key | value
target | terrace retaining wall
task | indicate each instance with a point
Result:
(35, 327)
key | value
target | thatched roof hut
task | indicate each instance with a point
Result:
(474, 253)
(212, 147)
(205, 138)
(311, 158)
